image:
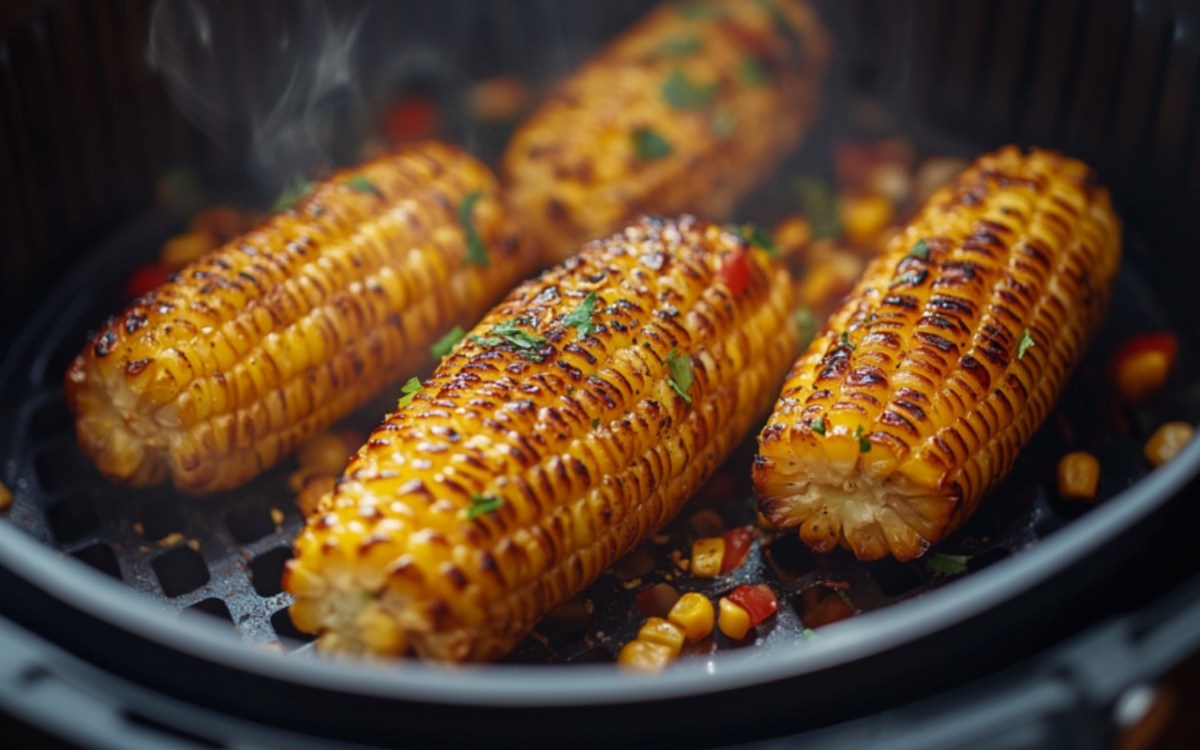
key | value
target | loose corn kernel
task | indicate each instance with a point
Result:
(792, 235)
(6, 497)
(707, 555)
(734, 620)
(1078, 476)
(185, 248)
(693, 614)
(657, 630)
(864, 215)
(645, 656)
(326, 453)
(1142, 374)
(1167, 441)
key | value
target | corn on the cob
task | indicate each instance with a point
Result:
(684, 112)
(943, 360)
(576, 419)
(265, 341)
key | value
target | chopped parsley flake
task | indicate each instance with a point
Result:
(757, 238)
(290, 197)
(523, 342)
(808, 634)
(912, 278)
(947, 565)
(649, 145)
(446, 344)
(481, 504)
(1025, 344)
(409, 390)
(476, 252)
(581, 317)
(595, 423)
(752, 72)
(680, 368)
(844, 338)
(681, 93)
(864, 445)
(723, 123)
(919, 250)
(806, 324)
(361, 184)
(817, 426)
(680, 46)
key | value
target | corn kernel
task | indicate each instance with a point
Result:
(734, 620)
(1167, 441)
(1142, 374)
(185, 248)
(658, 630)
(1078, 476)
(792, 235)
(693, 614)
(645, 656)
(326, 453)
(864, 215)
(706, 557)
(6, 497)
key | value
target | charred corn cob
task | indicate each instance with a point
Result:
(574, 420)
(265, 341)
(684, 112)
(943, 360)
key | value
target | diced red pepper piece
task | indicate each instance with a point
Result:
(737, 544)
(413, 117)
(759, 601)
(145, 278)
(735, 272)
(1141, 367)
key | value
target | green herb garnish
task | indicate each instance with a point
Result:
(409, 390)
(919, 250)
(818, 205)
(595, 423)
(290, 197)
(680, 368)
(808, 634)
(481, 504)
(649, 145)
(817, 426)
(914, 278)
(476, 252)
(680, 46)
(523, 342)
(681, 93)
(844, 338)
(446, 344)
(361, 184)
(1025, 344)
(723, 123)
(752, 72)
(864, 445)
(756, 237)
(947, 565)
(581, 317)
(806, 324)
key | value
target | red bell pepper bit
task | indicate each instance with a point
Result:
(759, 601)
(737, 544)
(735, 271)
(145, 278)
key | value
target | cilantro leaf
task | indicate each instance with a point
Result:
(523, 342)
(919, 250)
(476, 252)
(756, 237)
(290, 197)
(680, 368)
(409, 389)
(361, 184)
(817, 426)
(446, 344)
(581, 317)
(912, 278)
(1025, 344)
(864, 445)
(681, 93)
(844, 338)
(649, 145)
(481, 504)
(808, 634)
(947, 565)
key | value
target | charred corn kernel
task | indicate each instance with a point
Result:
(733, 619)
(6, 497)
(1142, 373)
(1167, 441)
(1078, 476)
(693, 614)
(685, 112)
(326, 453)
(864, 215)
(264, 342)
(658, 630)
(706, 557)
(645, 656)
(570, 424)
(185, 248)
(943, 360)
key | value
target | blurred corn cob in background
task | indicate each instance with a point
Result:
(686, 111)
(574, 420)
(262, 343)
(943, 360)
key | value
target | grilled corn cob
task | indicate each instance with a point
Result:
(943, 360)
(684, 112)
(260, 344)
(576, 419)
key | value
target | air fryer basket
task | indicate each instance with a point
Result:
(1112, 83)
